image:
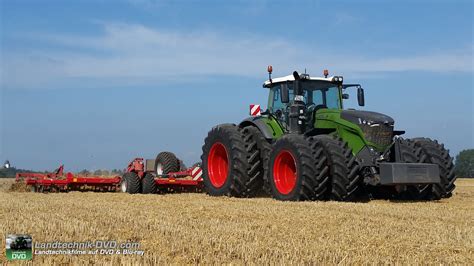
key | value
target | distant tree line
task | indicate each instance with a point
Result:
(465, 163)
(11, 172)
(101, 172)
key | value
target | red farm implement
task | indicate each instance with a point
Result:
(164, 174)
(57, 181)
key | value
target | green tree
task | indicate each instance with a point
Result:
(85, 172)
(117, 172)
(465, 163)
(98, 172)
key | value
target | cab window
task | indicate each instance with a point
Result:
(332, 98)
(275, 100)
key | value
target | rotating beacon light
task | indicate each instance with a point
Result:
(270, 70)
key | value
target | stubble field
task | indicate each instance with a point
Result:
(195, 228)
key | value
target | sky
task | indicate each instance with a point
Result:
(94, 84)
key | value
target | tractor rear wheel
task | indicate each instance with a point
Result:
(430, 151)
(130, 183)
(339, 179)
(225, 162)
(292, 169)
(148, 184)
(258, 149)
(166, 162)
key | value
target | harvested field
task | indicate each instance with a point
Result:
(195, 228)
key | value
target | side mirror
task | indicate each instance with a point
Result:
(345, 96)
(360, 96)
(284, 95)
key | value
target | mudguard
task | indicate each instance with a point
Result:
(269, 127)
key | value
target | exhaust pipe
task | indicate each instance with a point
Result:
(297, 118)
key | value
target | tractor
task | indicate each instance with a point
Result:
(19, 243)
(306, 146)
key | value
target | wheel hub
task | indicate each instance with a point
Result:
(159, 169)
(218, 165)
(284, 172)
(123, 186)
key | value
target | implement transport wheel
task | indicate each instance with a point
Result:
(292, 169)
(258, 149)
(181, 165)
(130, 183)
(166, 162)
(339, 170)
(225, 162)
(430, 151)
(148, 184)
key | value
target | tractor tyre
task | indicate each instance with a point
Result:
(258, 149)
(411, 154)
(292, 169)
(339, 178)
(225, 162)
(130, 183)
(166, 162)
(430, 151)
(148, 184)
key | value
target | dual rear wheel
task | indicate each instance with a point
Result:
(227, 163)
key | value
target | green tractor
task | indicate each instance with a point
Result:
(306, 146)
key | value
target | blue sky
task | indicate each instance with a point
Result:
(92, 84)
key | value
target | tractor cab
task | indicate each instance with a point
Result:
(314, 93)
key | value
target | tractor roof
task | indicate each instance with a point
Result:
(291, 78)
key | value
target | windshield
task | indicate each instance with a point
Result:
(315, 93)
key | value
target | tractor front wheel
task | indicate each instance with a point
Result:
(430, 151)
(339, 179)
(411, 154)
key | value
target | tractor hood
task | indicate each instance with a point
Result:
(366, 117)
(377, 128)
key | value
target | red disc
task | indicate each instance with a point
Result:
(284, 172)
(218, 165)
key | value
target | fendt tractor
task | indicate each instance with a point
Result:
(306, 146)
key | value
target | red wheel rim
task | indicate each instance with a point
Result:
(218, 165)
(284, 172)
